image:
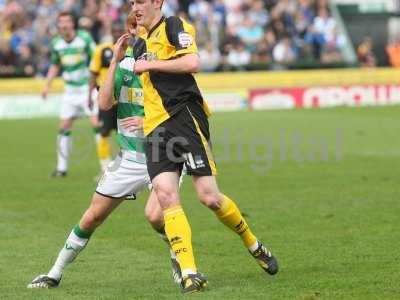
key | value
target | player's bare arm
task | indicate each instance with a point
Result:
(188, 63)
(106, 90)
(51, 74)
(92, 86)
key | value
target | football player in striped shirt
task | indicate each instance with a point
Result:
(71, 51)
(127, 177)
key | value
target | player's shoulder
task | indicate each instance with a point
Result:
(100, 47)
(178, 27)
(127, 63)
(173, 22)
(139, 47)
(179, 32)
(55, 40)
(84, 35)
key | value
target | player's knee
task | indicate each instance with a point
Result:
(167, 197)
(210, 198)
(154, 217)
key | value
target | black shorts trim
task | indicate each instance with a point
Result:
(108, 196)
(127, 197)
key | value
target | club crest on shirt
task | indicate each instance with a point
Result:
(185, 39)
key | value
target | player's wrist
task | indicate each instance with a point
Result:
(152, 66)
(113, 62)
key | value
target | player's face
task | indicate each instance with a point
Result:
(146, 11)
(66, 26)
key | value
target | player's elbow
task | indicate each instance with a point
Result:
(194, 64)
(104, 103)
(105, 106)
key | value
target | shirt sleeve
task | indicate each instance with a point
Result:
(95, 63)
(54, 56)
(91, 47)
(181, 35)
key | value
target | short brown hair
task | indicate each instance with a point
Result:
(131, 19)
(66, 13)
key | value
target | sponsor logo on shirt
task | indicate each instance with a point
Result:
(185, 39)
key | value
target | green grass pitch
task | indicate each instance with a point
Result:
(321, 187)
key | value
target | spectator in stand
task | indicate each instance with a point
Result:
(315, 40)
(262, 55)
(198, 9)
(170, 8)
(48, 10)
(250, 33)
(393, 52)
(305, 7)
(258, 13)
(210, 58)
(258, 26)
(220, 11)
(25, 63)
(23, 34)
(284, 52)
(7, 59)
(234, 17)
(41, 45)
(301, 24)
(326, 25)
(239, 57)
(365, 55)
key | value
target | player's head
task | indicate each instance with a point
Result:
(131, 24)
(147, 11)
(66, 24)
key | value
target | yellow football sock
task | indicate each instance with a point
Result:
(230, 215)
(104, 148)
(179, 235)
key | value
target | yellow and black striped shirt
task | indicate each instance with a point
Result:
(167, 93)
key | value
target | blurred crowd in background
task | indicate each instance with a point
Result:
(231, 34)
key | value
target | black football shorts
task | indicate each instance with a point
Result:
(183, 139)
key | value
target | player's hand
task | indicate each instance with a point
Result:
(132, 123)
(45, 92)
(142, 66)
(90, 103)
(120, 47)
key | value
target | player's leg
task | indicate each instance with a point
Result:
(100, 208)
(201, 164)
(63, 147)
(92, 113)
(224, 208)
(95, 123)
(108, 122)
(229, 214)
(177, 229)
(165, 180)
(155, 217)
(69, 110)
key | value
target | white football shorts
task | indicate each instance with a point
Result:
(74, 103)
(125, 177)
